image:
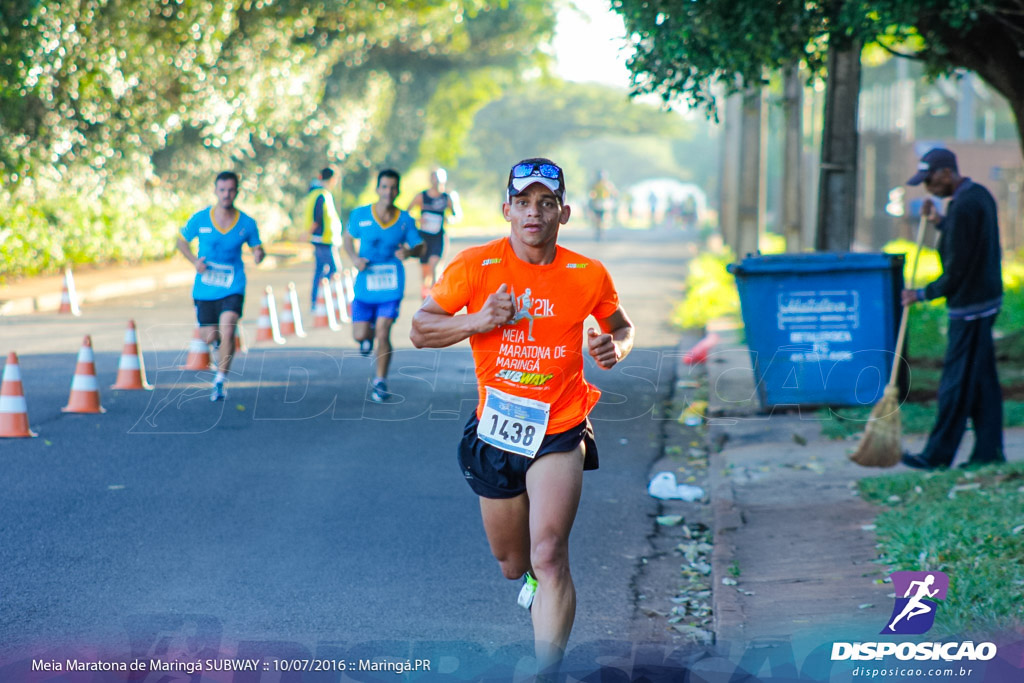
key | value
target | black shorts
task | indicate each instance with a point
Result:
(494, 473)
(433, 245)
(208, 312)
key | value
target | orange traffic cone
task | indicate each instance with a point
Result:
(13, 411)
(293, 297)
(68, 296)
(266, 326)
(342, 287)
(320, 317)
(330, 307)
(131, 371)
(287, 322)
(198, 354)
(85, 390)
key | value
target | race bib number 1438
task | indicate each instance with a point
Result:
(513, 423)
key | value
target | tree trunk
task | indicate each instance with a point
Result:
(749, 224)
(837, 190)
(792, 199)
(728, 214)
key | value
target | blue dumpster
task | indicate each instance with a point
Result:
(821, 327)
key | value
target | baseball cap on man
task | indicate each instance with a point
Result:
(530, 171)
(932, 161)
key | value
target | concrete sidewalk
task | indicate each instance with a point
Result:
(794, 546)
(39, 294)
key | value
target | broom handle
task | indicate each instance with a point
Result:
(901, 337)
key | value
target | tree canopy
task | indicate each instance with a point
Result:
(135, 105)
(541, 118)
(687, 48)
(104, 88)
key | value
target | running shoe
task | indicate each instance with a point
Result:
(528, 590)
(366, 346)
(218, 392)
(380, 391)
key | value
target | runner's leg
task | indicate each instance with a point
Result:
(507, 525)
(427, 272)
(432, 265)
(228, 322)
(208, 333)
(383, 345)
(360, 331)
(553, 484)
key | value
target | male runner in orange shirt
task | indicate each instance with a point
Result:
(526, 446)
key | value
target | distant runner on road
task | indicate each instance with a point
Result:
(529, 440)
(387, 236)
(433, 203)
(219, 288)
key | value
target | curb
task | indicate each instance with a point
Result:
(725, 519)
(115, 286)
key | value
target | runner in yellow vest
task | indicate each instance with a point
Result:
(321, 217)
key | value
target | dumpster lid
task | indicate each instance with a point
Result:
(817, 262)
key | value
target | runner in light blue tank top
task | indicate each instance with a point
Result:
(384, 277)
(219, 287)
(387, 235)
(221, 249)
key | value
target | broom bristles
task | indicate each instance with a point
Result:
(881, 444)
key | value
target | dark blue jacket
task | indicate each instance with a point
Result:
(972, 278)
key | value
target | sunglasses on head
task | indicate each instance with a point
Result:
(530, 170)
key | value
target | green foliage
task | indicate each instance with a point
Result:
(772, 243)
(927, 325)
(539, 118)
(451, 112)
(967, 524)
(689, 50)
(844, 423)
(710, 288)
(62, 231)
(917, 418)
(710, 292)
(929, 266)
(114, 97)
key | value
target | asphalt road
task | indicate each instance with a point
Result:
(297, 519)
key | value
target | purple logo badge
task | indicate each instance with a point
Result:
(916, 595)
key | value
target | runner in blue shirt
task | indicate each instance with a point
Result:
(387, 235)
(219, 288)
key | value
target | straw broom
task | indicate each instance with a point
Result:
(881, 445)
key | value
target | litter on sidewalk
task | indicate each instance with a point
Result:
(665, 487)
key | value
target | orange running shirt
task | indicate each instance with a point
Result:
(539, 355)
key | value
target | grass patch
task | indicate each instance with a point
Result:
(710, 292)
(917, 418)
(968, 524)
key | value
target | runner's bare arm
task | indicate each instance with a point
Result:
(258, 254)
(186, 248)
(349, 245)
(417, 201)
(433, 327)
(405, 251)
(615, 341)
